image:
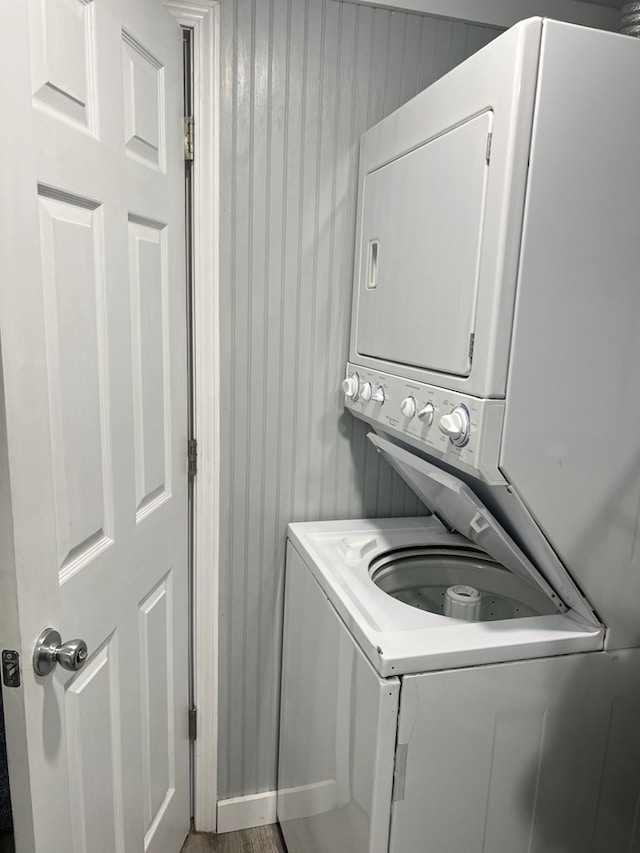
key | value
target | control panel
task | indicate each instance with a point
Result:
(463, 430)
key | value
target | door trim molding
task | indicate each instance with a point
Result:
(203, 18)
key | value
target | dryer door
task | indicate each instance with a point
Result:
(459, 508)
(422, 223)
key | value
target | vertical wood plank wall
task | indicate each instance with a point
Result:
(301, 80)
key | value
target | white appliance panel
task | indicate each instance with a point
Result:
(338, 722)
(529, 757)
(524, 757)
(566, 449)
(480, 454)
(461, 508)
(399, 639)
(422, 221)
(571, 445)
(494, 89)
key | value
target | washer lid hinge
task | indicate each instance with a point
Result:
(400, 771)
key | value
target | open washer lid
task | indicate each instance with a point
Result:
(459, 508)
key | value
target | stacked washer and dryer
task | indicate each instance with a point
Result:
(469, 681)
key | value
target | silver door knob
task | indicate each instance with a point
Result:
(50, 650)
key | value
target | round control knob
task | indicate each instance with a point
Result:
(378, 395)
(426, 414)
(366, 392)
(456, 426)
(408, 407)
(350, 386)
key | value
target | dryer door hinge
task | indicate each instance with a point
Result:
(472, 339)
(192, 457)
(188, 137)
(487, 152)
(400, 771)
(193, 724)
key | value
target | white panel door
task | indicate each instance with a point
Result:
(94, 501)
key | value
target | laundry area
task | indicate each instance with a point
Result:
(319, 458)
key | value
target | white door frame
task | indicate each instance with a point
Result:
(203, 18)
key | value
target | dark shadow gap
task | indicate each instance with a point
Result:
(6, 821)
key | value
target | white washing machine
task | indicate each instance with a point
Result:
(406, 730)
(470, 681)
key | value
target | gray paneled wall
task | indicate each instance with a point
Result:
(301, 80)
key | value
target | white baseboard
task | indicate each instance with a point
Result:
(245, 812)
(308, 800)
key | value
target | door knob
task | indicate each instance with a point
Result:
(50, 650)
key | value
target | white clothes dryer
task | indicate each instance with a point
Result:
(469, 682)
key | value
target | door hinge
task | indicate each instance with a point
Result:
(188, 137)
(472, 339)
(193, 723)
(400, 771)
(487, 153)
(192, 457)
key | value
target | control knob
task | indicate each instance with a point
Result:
(366, 391)
(351, 386)
(408, 407)
(456, 425)
(378, 395)
(426, 413)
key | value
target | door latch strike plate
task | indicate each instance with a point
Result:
(10, 668)
(193, 723)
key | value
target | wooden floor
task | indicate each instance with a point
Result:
(262, 839)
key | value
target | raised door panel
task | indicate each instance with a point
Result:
(62, 59)
(149, 324)
(155, 621)
(71, 240)
(92, 699)
(143, 77)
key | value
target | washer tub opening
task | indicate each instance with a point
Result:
(420, 577)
